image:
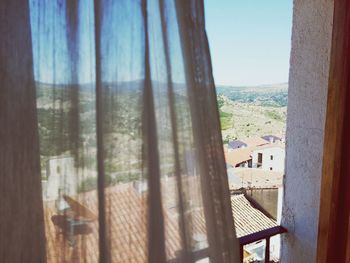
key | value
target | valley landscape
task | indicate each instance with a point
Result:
(62, 110)
(252, 111)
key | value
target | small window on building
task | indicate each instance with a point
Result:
(271, 157)
(259, 164)
(250, 163)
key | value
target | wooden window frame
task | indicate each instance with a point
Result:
(334, 229)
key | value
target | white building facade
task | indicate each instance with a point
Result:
(60, 177)
(269, 158)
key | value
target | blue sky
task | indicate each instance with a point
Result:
(249, 40)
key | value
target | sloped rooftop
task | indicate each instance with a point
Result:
(236, 144)
(237, 156)
(271, 138)
(254, 141)
(128, 226)
(248, 219)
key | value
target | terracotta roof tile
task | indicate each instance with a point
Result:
(254, 141)
(237, 156)
(128, 227)
(248, 219)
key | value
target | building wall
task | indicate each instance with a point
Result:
(277, 163)
(60, 176)
(308, 83)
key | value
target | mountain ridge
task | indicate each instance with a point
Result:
(274, 95)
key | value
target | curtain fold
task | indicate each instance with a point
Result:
(201, 88)
(129, 154)
(21, 208)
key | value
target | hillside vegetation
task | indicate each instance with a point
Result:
(67, 123)
(252, 111)
(67, 127)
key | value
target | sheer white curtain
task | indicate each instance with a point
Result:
(125, 132)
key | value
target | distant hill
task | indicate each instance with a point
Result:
(252, 111)
(275, 95)
(244, 112)
(67, 123)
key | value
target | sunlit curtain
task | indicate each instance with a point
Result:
(112, 147)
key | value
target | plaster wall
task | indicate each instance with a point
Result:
(307, 95)
(277, 162)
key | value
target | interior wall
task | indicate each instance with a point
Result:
(307, 99)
